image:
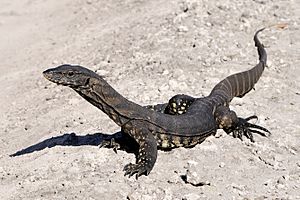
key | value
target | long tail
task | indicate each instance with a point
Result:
(239, 84)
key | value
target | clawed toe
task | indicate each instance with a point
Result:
(111, 143)
(129, 169)
(244, 128)
(138, 169)
(264, 132)
(251, 117)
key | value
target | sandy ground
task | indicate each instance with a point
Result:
(149, 51)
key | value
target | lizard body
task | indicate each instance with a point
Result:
(183, 122)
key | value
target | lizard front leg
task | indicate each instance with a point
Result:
(147, 153)
(228, 121)
(123, 139)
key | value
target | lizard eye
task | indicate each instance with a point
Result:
(70, 73)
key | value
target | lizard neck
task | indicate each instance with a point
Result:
(100, 94)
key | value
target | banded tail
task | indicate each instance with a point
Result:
(239, 84)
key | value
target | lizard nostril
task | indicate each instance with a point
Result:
(70, 73)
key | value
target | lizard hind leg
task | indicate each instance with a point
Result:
(228, 121)
(179, 104)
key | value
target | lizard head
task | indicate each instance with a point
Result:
(73, 76)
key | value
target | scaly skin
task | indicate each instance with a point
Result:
(183, 122)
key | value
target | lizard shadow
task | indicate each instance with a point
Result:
(117, 140)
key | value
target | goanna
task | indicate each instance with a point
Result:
(183, 122)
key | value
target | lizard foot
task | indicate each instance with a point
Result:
(110, 143)
(146, 155)
(244, 128)
(138, 169)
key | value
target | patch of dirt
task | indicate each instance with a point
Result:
(148, 51)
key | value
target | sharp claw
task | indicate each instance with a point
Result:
(251, 117)
(139, 174)
(115, 150)
(128, 172)
(240, 134)
(126, 168)
(257, 127)
(104, 143)
(249, 135)
(258, 132)
(244, 128)
(110, 143)
(131, 169)
(131, 174)
(234, 133)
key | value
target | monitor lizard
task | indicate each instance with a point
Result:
(183, 122)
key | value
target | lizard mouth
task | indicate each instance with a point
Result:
(49, 76)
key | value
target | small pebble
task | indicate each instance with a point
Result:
(102, 72)
(165, 72)
(183, 29)
(163, 88)
(222, 164)
(192, 176)
(281, 180)
(2, 170)
(191, 196)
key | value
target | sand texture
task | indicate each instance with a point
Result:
(148, 51)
